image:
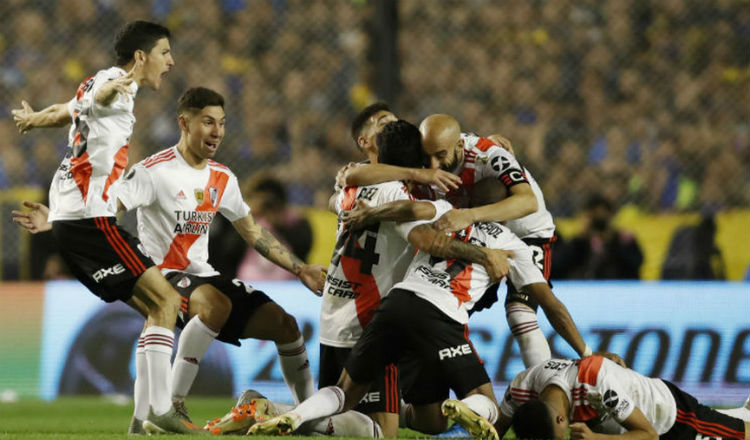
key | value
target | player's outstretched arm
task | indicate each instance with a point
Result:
(558, 315)
(26, 118)
(34, 221)
(109, 90)
(637, 425)
(261, 239)
(371, 174)
(520, 203)
(426, 238)
(399, 211)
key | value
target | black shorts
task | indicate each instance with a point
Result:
(694, 419)
(433, 352)
(102, 256)
(541, 249)
(245, 301)
(382, 396)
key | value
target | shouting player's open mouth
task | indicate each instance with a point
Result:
(211, 146)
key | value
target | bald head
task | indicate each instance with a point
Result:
(441, 140)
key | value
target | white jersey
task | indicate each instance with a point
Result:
(600, 392)
(454, 286)
(176, 205)
(485, 159)
(364, 266)
(98, 142)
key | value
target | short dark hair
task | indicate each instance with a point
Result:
(137, 35)
(532, 420)
(361, 119)
(400, 144)
(196, 98)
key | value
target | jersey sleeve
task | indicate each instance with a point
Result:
(232, 205)
(441, 207)
(137, 188)
(502, 165)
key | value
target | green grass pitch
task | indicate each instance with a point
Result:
(89, 418)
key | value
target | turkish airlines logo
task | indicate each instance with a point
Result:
(452, 352)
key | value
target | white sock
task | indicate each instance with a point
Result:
(741, 413)
(347, 424)
(191, 347)
(325, 402)
(483, 406)
(531, 341)
(158, 344)
(140, 393)
(296, 369)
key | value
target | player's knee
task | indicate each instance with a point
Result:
(288, 329)
(211, 306)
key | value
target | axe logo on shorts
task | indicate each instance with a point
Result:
(371, 397)
(451, 352)
(107, 271)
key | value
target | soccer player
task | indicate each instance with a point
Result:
(104, 257)
(177, 193)
(597, 398)
(421, 324)
(366, 263)
(471, 158)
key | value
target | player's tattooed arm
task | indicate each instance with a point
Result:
(399, 211)
(426, 238)
(261, 239)
(26, 118)
(371, 174)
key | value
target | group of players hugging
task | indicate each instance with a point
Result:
(428, 225)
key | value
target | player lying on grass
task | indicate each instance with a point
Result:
(467, 159)
(598, 399)
(177, 193)
(101, 255)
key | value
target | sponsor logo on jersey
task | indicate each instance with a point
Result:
(199, 196)
(107, 271)
(181, 195)
(371, 397)
(610, 399)
(193, 222)
(184, 283)
(341, 288)
(213, 195)
(452, 352)
(435, 277)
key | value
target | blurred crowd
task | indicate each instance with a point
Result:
(641, 102)
(645, 101)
